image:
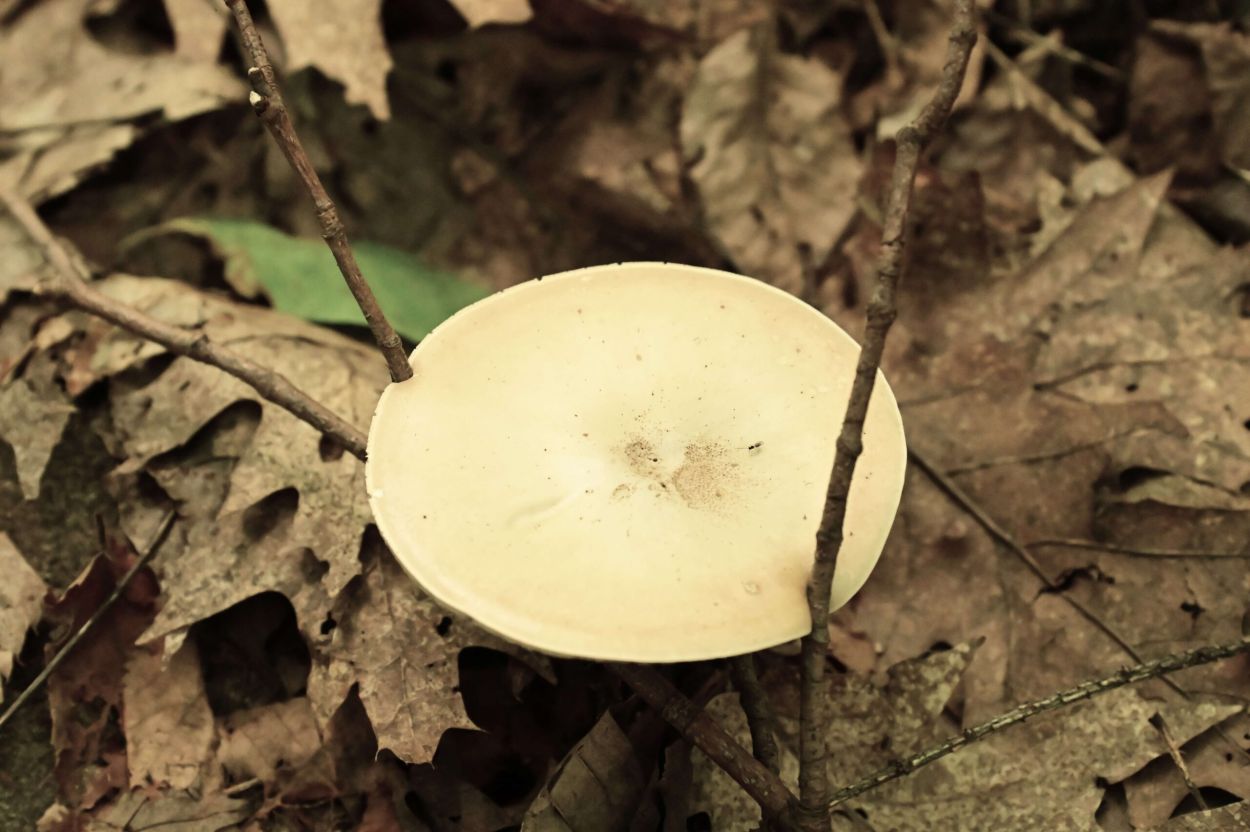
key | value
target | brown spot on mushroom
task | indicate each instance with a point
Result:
(622, 491)
(706, 475)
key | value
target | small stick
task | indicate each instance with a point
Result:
(1085, 690)
(70, 282)
(267, 101)
(764, 787)
(759, 713)
(153, 547)
(882, 309)
(1174, 751)
(1134, 551)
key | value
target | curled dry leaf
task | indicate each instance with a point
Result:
(596, 787)
(21, 603)
(771, 155)
(67, 101)
(342, 39)
(482, 12)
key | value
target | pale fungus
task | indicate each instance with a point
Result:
(629, 462)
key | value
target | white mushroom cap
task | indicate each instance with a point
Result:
(629, 462)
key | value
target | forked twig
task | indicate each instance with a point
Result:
(882, 309)
(758, 711)
(267, 102)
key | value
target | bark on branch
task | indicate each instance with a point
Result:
(814, 696)
(267, 102)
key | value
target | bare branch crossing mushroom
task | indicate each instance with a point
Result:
(628, 463)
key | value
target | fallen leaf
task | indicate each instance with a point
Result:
(300, 276)
(166, 718)
(771, 155)
(596, 787)
(1232, 818)
(483, 12)
(870, 726)
(344, 40)
(67, 100)
(85, 693)
(21, 604)
(1048, 773)
(199, 28)
(401, 650)
(258, 742)
(36, 411)
(139, 811)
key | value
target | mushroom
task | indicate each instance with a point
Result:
(629, 462)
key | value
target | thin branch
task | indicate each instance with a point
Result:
(1085, 690)
(71, 282)
(759, 712)
(149, 552)
(882, 309)
(267, 101)
(1134, 551)
(764, 787)
(1160, 724)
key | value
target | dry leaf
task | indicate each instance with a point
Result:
(870, 726)
(167, 721)
(401, 650)
(258, 742)
(1044, 774)
(595, 789)
(482, 12)
(21, 603)
(199, 27)
(35, 411)
(66, 98)
(1234, 818)
(344, 40)
(771, 155)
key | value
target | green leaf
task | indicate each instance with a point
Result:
(299, 276)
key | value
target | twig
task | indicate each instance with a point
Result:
(70, 282)
(759, 713)
(764, 787)
(882, 309)
(1134, 551)
(1085, 690)
(1160, 724)
(267, 102)
(153, 547)
(964, 501)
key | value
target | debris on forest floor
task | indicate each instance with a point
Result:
(1070, 358)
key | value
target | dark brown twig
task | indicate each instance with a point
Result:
(1134, 551)
(764, 787)
(267, 101)
(882, 309)
(149, 552)
(758, 712)
(1085, 690)
(71, 282)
